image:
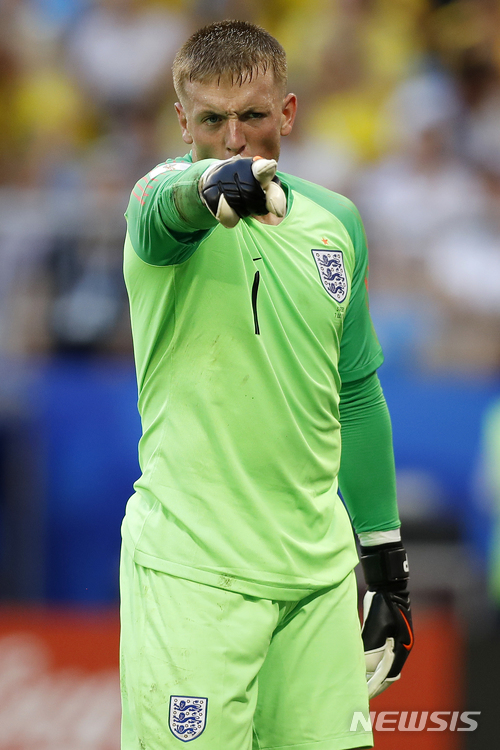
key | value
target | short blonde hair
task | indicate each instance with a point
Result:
(236, 50)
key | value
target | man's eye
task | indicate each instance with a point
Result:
(212, 119)
(256, 115)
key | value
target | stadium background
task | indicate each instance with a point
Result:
(399, 109)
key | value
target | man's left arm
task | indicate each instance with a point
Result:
(367, 480)
(368, 485)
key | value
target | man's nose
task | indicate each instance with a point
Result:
(235, 137)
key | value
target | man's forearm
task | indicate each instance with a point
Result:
(181, 207)
(367, 476)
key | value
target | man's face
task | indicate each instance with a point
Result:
(221, 120)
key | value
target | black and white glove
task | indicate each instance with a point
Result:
(387, 630)
(238, 187)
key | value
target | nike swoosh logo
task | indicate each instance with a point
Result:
(408, 646)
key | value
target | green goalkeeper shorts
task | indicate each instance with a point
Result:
(232, 672)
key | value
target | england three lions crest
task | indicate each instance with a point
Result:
(332, 273)
(187, 716)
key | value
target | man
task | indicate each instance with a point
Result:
(250, 325)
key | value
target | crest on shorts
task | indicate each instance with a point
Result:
(332, 273)
(187, 716)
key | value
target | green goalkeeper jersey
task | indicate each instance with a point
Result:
(242, 338)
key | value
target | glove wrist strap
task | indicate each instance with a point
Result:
(385, 566)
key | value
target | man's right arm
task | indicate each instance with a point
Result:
(173, 208)
(166, 216)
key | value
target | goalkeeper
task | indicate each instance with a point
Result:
(256, 359)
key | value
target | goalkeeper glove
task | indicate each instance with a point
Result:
(387, 631)
(238, 187)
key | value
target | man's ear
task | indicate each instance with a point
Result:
(288, 112)
(181, 116)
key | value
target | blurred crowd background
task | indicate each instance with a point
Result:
(399, 109)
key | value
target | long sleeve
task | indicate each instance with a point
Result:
(367, 476)
(166, 217)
